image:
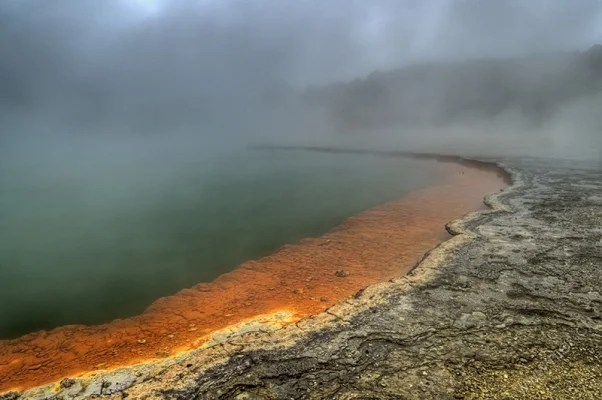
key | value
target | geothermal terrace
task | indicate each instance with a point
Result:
(507, 306)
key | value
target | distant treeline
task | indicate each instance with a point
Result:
(454, 92)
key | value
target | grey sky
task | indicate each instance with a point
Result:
(297, 41)
(164, 65)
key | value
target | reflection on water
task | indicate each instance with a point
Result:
(92, 233)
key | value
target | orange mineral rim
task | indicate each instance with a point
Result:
(295, 281)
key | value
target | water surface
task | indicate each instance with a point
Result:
(91, 231)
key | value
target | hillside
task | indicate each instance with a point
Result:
(454, 92)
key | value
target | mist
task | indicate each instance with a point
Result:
(236, 72)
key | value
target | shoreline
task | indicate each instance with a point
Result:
(275, 319)
(508, 309)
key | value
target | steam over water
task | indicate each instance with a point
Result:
(92, 230)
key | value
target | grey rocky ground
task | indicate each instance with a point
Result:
(511, 307)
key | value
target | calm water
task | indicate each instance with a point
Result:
(90, 232)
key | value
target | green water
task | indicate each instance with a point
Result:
(91, 233)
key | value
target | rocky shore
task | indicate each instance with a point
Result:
(510, 307)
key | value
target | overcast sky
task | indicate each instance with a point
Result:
(302, 41)
(152, 64)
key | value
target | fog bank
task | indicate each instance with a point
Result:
(448, 74)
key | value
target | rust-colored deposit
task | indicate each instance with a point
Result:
(373, 246)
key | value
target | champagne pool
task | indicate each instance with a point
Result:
(97, 229)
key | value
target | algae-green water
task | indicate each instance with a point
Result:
(91, 232)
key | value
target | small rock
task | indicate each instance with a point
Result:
(298, 291)
(141, 341)
(341, 273)
(479, 315)
(324, 299)
(467, 321)
(67, 383)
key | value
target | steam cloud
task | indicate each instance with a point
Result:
(235, 68)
